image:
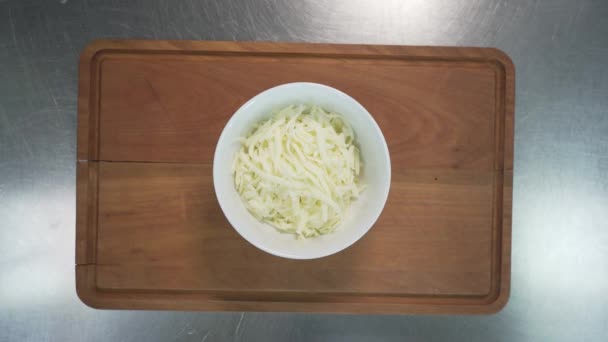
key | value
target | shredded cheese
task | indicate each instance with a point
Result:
(298, 171)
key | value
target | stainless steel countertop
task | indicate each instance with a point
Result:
(560, 218)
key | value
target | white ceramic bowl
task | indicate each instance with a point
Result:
(376, 171)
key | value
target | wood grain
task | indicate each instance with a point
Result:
(180, 114)
(169, 214)
(150, 233)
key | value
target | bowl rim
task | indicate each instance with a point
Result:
(353, 238)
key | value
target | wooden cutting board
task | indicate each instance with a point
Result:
(151, 235)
